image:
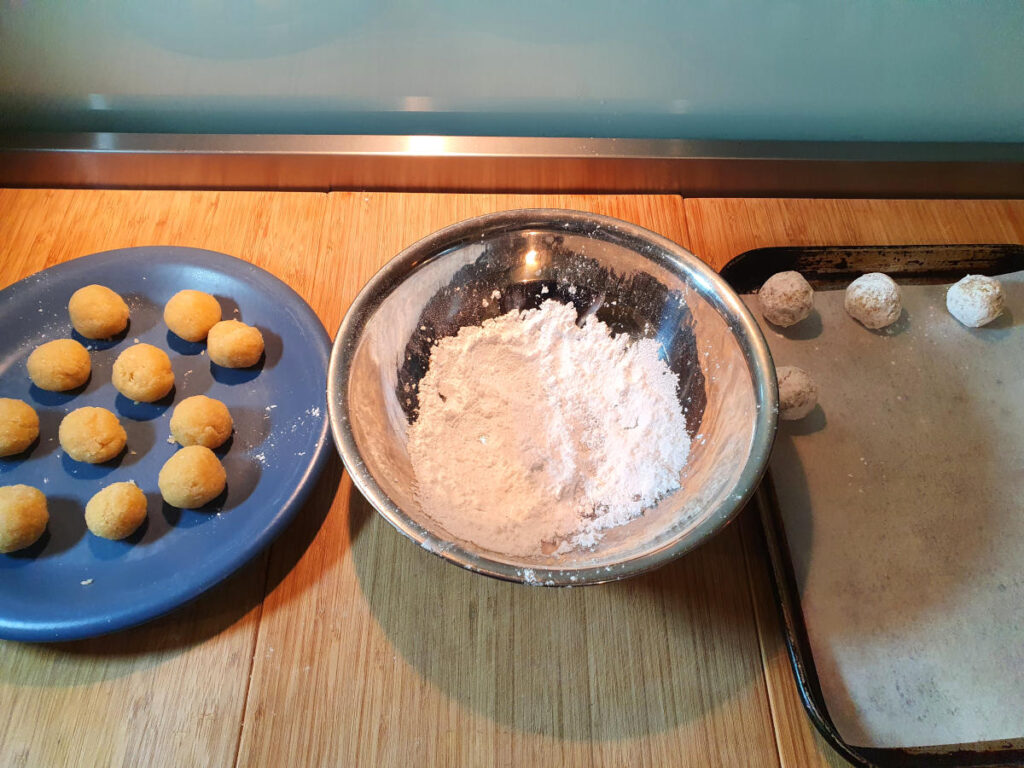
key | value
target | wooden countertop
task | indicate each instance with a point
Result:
(344, 644)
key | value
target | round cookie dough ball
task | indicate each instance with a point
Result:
(97, 312)
(92, 435)
(798, 394)
(191, 478)
(786, 298)
(117, 511)
(874, 300)
(59, 365)
(19, 426)
(143, 373)
(23, 516)
(233, 344)
(191, 314)
(201, 420)
(976, 300)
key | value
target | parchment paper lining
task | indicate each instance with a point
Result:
(902, 497)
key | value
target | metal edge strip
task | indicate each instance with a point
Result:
(511, 164)
(511, 147)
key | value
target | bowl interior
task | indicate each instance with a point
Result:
(634, 284)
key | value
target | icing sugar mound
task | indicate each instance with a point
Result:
(536, 434)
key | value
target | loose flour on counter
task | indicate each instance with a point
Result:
(535, 434)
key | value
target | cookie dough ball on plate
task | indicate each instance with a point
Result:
(786, 298)
(59, 365)
(201, 420)
(976, 300)
(23, 516)
(19, 426)
(874, 300)
(798, 394)
(233, 344)
(192, 477)
(143, 372)
(117, 511)
(92, 435)
(191, 314)
(97, 312)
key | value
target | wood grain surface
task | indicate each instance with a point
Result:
(721, 229)
(347, 644)
(374, 652)
(171, 692)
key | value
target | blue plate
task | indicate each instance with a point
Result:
(72, 584)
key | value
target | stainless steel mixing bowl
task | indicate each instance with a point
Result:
(635, 281)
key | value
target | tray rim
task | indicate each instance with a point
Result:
(743, 273)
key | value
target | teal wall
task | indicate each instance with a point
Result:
(921, 70)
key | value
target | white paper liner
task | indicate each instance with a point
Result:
(903, 502)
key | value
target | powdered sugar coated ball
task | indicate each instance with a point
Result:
(874, 299)
(798, 394)
(786, 298)
(976, 300)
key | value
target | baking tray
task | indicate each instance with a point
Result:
(833, 267)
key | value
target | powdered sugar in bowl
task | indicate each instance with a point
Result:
(484, 294)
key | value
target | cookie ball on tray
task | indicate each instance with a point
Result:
(117, 511)
(192, 477)
(97, 312)
(976, 300)
(23, 517)
(191, 314)
(798, 394)
(201, 420)
(19, 426)
(143, 373)
(786, 298)
(59, 365)
(91, 435)
(233, 344)
(874, 300)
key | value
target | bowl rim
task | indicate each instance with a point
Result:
(671, 255)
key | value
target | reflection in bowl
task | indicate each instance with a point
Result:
(636, 282)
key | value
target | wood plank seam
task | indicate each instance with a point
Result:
(772, 704)
(317, 248)
(725, 228)
(687, 241)
(388, 690)
(252, 658)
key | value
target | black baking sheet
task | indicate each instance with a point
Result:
(831, 268)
